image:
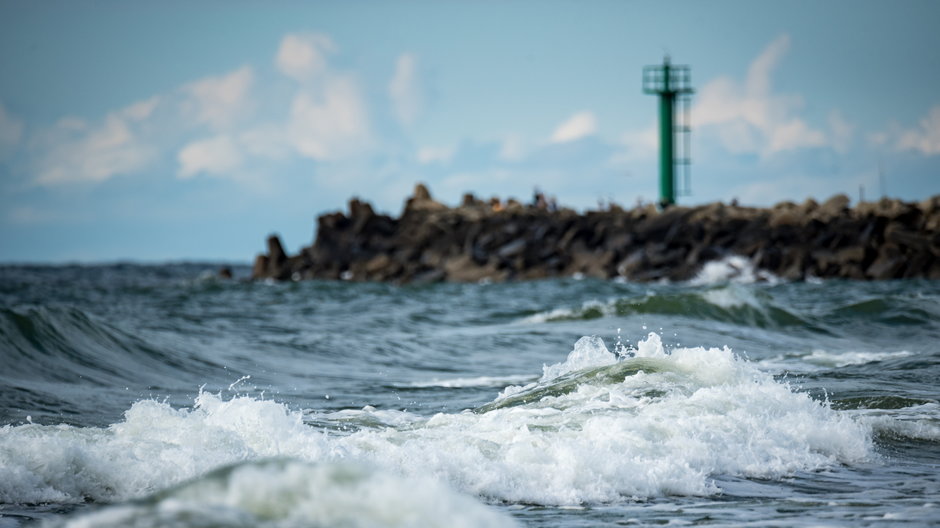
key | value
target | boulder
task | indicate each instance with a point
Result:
(421, 200)
(888, 265)
(462, 268)
(260, 268)
(498, 241)
(832, 208)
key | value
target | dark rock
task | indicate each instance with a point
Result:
(901, 236)
(512, 249)
(632, 264)
(478, 241)
(832, 208)
(260, 268)
(421, 201)
(888, 265)
(276, 255)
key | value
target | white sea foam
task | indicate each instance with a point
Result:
(819, 360)
(918, 422)
(845, 359)
(733, 268)
(289, 493)
(605, 308)
(724, 295)
(693, 414)
(461, 383)
(732, 296)
(154, 447)
(588, 352)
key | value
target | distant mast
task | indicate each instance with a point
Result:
(673, 84)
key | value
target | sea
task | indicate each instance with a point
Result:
(136, 395)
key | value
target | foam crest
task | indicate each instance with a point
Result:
(281, 493)
(845, 359)
(589, 351)
(731, 302)
(732, 296)
(461, 383)
(594, 429)
(918, 422)
(667, 427)
(588, 310)
(733, 268)
(154, 447)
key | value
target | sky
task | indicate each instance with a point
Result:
(168, 131)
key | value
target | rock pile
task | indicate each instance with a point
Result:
(475, 241)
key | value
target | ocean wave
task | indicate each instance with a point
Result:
(732, 268)
(844, 359)
(279, 493)
(918, 421)
(818, 360)
(461, 383)
(889, 310)
(732, 303)
(64, 344)
(654, 424)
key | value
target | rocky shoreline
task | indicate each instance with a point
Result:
(491, 241)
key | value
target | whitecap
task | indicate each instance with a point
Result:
(845, 359)
(732, 268)
(461, 383)
(668, 422)
(278, 493)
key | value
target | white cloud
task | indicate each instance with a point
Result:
(513, 148)
(404, 89)
(576, 127)
(841, 132)
(267, 141)
(230, 156)
(325, 119)
(75, 151)
(11, 131)
(330, 123)
(428, 155)
(141, 110)
(640, 144)
(220, 101)
(219, 155)
(924, 139)
(750, 118)
(303, 57)
(878, 139)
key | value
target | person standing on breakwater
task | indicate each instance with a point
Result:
(538, 200)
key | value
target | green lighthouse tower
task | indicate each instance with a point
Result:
(673, 84)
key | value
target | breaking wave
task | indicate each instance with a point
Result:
(730, 303)
(284, 492)
(596, 428)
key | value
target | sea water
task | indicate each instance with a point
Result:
(136, 395)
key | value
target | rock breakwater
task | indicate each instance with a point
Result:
(487, 240)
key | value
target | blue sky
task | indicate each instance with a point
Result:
(156, 131)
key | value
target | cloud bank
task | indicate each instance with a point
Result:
(302, 110)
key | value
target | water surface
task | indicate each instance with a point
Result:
(159, 394)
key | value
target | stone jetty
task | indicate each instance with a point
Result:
(495, 241)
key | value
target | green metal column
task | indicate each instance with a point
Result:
(668, 82)
(667, 99)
